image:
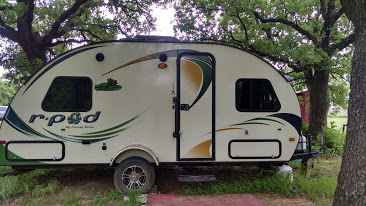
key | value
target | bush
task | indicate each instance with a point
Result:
(333, 138)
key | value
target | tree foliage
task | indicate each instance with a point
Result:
(306, 36)
(41, 29)
(7, 91)
(303, 34)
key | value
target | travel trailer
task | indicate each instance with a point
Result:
(140, 103)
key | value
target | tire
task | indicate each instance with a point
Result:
(134, 174)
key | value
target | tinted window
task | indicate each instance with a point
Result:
(255, 95)
(69, 94)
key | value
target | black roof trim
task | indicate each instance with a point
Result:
(153, 38)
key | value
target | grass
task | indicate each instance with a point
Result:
(51, 187)
(274, 184)
(319, 187)
(38, 188)
(338, 121)
(12, 186)
(314, 189)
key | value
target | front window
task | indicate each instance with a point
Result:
(69, 94)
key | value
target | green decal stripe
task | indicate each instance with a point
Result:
(100, 135)
(293, 120)
(17, 123)
(114, 127)
(267, 119)
(169, 53)
(246, 123)
(62, 137)
(100, 139)
(207, 77)
(14, 121)
(68, 139)
(15, 127)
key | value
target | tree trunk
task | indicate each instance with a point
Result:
(34, 51)
(317, 83)
(351, 188)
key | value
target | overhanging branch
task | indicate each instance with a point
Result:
(344, 43)
(289, 23)
(7, 31)
(296, 67)
(76, 41)
(55, 27)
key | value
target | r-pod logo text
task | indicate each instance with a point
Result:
(73, 118)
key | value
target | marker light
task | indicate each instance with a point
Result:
(162, 66)
(2, 142)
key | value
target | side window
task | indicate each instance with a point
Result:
(255, 95)
(68, 94)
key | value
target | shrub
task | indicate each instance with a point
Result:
(333, 138)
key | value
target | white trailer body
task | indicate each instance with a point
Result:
(166, 102)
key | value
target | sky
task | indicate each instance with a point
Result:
(164, 23)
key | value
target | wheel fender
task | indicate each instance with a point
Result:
(135, 151)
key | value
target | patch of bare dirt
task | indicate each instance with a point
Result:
(277, 200)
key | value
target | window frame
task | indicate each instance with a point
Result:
(256, 110)
(70, 77)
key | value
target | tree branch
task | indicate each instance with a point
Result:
(243, 26)
(295, 66)
(7, 31)
(24, 22)
(90, 33)
(55, 27)
(330, 16)
(70, 41)
(344, 43)
(291, 24)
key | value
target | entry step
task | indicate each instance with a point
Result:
(196, 178)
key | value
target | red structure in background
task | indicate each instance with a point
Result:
(304, 100)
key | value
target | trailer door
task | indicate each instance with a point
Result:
(194, 107)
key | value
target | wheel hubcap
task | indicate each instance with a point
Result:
(134, 177)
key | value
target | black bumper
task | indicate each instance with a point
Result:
(305, 155)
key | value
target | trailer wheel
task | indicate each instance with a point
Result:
(134, 174)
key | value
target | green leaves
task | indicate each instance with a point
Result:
(7, 91)
(293, 33)
(235, 23)
(60, 25)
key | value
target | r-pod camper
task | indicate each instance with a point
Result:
(139, 104)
